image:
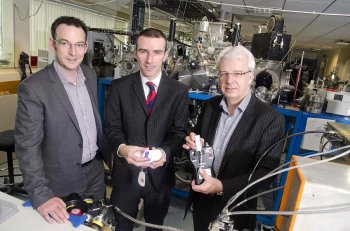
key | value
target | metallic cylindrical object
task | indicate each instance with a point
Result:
(314, 104)
(172, 29)
(203, 26)
(89, 219)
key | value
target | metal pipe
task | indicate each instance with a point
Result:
(172, 29)
(298, 77)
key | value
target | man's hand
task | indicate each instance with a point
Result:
(209, 186)
(132, 154)
(190, 143)
(159, 162)
(54, 210)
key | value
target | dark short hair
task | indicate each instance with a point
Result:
(152, 33)
(70, 21)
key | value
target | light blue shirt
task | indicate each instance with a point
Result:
(226, 127)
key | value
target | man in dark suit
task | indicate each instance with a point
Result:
(133, 125)
(240, 128)
(58, 128)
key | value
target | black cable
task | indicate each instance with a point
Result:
(324, 145)
(330, 140)
(321, 141)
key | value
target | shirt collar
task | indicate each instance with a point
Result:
(242, 106)
(156, 80)
(64, 79)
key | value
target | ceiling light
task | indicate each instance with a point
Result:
(342, 42)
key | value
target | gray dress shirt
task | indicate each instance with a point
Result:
(81, 103)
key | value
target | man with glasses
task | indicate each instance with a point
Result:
(240, 128)
(58, 130)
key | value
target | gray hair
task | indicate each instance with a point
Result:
(237, 52)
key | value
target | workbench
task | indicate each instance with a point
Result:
(29, 219)
(297, 120)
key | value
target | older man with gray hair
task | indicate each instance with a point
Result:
(240, 128)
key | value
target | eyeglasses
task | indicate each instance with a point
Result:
(67, 45)
(236, 75)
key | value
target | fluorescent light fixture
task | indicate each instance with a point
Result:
(342, 42)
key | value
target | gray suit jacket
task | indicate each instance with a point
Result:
(47, 134)
(127, 122)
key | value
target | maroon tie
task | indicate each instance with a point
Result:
(151, 96)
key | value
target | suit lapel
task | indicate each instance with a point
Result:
(213, 123)
(88, 83)
(61, 93)
(138, 90)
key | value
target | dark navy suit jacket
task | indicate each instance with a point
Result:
(127, 122)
